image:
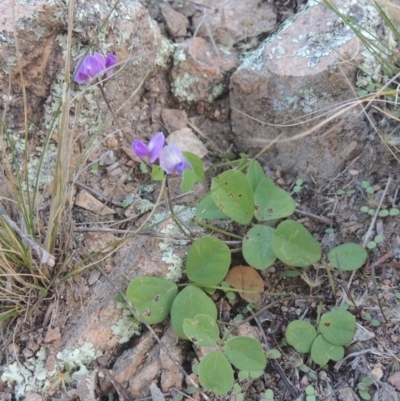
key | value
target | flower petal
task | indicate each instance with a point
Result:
(89, 67)
(111, 60)
(172, 160)
(156, 145)
(140, 149)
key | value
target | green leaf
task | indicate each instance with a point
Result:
(95, 168)
(364, 394)
(269, 395)
(364, 209)
(378, 238)
(236, 388)
(273, 354)
(191, 390)
(245, 353)
(294, 245)
(152, 296)
(208, 261)
(207, 209)
(191, 301)
(300, 335)
(322, 351)
(257, 247)
(193, 175)
(310, 390)
(272, 202)
(188, 180)
(338, 327)
(371, 245)
(157, 173)
(240, 397)
(299, 182)
(394, 212)
(201, 330)
(365, 184)
(215, 373)
(290, 273)
(255, 174)
(383, 213)
(243, 375)
(375, 323)
(348, 256)
(256, 374)
(232, 193)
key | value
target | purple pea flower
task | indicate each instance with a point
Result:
(152, 150)
(92, 66)
(172, 160)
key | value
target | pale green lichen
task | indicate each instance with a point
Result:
(32, 376)
(217, 90)
(180, 86)
(164, 53)
(179, 56)
(127, 326)
(169, 246)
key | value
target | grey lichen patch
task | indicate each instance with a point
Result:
(164, 53)
(180, 86)
(169, 246)
(277, 52)
(179, 56)
(217, 90)
(127, 326)
(32, 376)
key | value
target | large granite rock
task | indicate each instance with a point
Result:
(294, 77)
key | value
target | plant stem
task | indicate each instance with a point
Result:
(216, 229)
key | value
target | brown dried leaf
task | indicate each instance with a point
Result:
(246, 278)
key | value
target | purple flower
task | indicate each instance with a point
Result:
(172, 160)
(152, 150)
(92, 66)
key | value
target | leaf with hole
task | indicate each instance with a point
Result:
(348, 256)
(216, 373)
(152, 296)
(322, 351)
(208, 261)
(232, 193)
(300, 335)
(272, 202)
(245, 353)
(191, 301)
(338, 327)
(294, 245)
(255, 174)
(246, 278)
(207, 209)
(201, 330)
(257, 247)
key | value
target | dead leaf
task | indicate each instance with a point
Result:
(246, 278)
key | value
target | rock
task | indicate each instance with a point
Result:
(99, 321)
(42, 31)
(86, 201)
(199, 72)
(174, 119)
(156, 394)
(293, 75)
(136, 368)
(187, 141)
(170, 375)
(229, 23)
(394, 380)
(347, 394)
(33, 397)
(52, 336)
(176, 22)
